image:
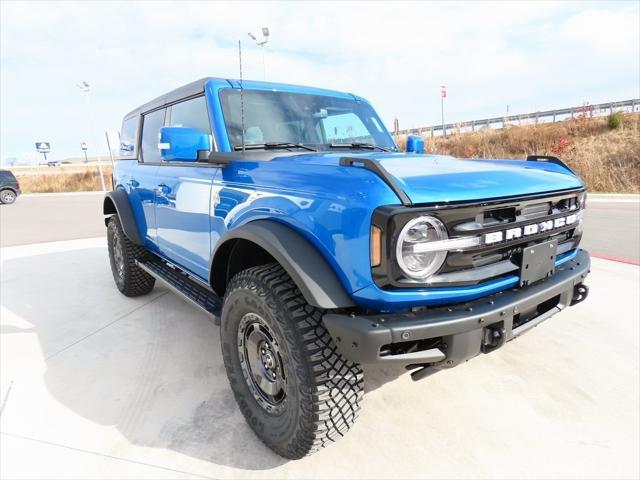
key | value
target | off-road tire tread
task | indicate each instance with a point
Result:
(332, 387)
(136, 282)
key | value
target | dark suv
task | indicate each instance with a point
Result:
(9, 187)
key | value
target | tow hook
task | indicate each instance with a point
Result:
(426, 370)
(580, 292)
(494, 337)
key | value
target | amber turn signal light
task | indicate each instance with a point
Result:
(376, 246)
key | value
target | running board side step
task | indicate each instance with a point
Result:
(194, 291)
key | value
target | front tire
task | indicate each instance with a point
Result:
(7, 196)
(295, 390)
(130, 279)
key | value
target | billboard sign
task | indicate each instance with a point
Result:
(43, 147)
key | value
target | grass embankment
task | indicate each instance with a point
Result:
(605, 152)
(86, 181)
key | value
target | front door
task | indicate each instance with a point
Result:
(183, 197)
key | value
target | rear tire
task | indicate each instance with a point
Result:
(130, 279)
(7, 196)
(294, 389)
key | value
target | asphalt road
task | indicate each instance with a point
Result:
(51, 217)
(612, 222)
(612, 228)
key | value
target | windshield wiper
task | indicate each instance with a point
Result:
(369, 146)
(273, 145)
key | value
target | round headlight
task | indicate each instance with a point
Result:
(582, 199)
(414, 258)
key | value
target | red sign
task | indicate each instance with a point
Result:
(443, 91)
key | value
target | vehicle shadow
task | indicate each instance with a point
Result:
(151, 367)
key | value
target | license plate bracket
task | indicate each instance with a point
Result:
(538, 262)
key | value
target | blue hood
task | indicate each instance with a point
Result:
(438, 178)
(433, 178)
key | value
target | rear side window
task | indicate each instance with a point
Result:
(191, 113)
(151, 124)
(129, 137)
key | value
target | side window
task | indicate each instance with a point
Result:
(151, 124)
(346, 128)
(129, 137)
(192, 113)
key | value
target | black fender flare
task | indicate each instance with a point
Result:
(315, 278)
(117, 202)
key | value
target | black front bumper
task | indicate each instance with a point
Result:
(443, 337)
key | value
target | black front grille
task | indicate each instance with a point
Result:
(482, 263)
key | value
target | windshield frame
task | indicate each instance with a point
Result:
(382, 137)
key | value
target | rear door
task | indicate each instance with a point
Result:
(138, 163)
(183, 197)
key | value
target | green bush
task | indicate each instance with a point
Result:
(614, 120)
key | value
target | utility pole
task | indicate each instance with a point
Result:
(443, 94)
(85, 87)
(261, 44)
(106, 134)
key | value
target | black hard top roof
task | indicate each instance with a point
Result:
(179, 93)
(197, 87)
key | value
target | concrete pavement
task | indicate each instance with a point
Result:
(97, 385)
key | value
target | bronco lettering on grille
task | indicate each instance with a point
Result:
(531, 229)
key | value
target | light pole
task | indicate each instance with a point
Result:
(85, 87)
(443, 94)
(261, 44)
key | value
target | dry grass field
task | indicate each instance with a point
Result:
(608, 159)
(85, 181)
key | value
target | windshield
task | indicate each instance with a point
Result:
(317, 121)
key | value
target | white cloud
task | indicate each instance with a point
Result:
(531, 55)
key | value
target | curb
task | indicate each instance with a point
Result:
(61, 194)
(613, 197)
(613, 258)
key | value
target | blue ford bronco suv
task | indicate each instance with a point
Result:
(289, 215)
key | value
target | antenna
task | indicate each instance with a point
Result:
(241, 93)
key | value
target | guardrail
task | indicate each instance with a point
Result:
(561, 114)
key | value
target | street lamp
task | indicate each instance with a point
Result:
(85, 87)
(443, 95)
(261, 44)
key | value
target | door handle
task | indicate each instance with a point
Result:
(133, 183)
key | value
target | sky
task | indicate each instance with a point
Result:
(528, 55)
